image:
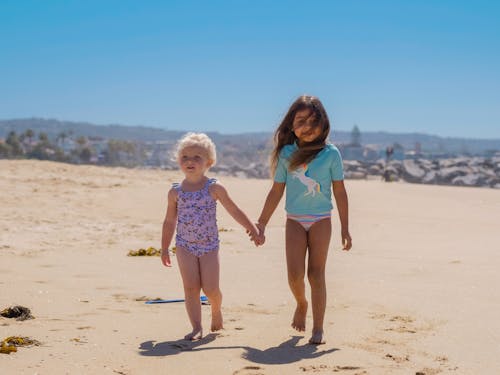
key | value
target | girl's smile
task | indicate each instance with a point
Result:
(305, 126)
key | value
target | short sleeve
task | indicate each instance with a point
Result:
(281, 170)
(336, 167)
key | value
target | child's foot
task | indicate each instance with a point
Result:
(317, 338)
(195, 334)
(217, 322)
(299, 317)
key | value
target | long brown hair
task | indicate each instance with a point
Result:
(284, 134)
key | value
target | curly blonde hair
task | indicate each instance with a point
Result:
(197, 139)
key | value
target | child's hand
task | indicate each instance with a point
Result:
(346, 241)
(254, 235)
(261, 238)
(165, 258)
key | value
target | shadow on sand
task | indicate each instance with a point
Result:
(286, 352)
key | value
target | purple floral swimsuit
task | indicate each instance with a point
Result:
(197, 230)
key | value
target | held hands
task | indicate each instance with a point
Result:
(261, 238)
(165, 258)
(256, 235)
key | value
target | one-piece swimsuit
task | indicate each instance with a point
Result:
(197, 230)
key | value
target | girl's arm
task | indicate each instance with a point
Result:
(169, 224)
(220, 193)
(272, 200)
(343, 207)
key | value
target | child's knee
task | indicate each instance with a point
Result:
(212, 292)
(191, 289)
(316, 276)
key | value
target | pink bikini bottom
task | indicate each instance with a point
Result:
(308, 220)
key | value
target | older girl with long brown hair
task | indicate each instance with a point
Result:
(309, 167)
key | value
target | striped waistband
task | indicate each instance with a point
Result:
(309, 217)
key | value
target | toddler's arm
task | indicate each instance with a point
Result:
(343, 207)
(221, 194)
(169, 224)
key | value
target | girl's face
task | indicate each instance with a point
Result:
(194, 160)
(305, 127)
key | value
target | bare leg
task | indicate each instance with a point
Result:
(190, 273)
(318, 239)
(210, 270)
(296, 247)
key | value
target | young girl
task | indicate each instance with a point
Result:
(304, 162)
(191, 210)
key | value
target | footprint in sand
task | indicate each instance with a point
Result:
(399, 352)
(330, 369)
(79, 340)
(250, 370)
(397, 359)
(404, 322)
(381, 343)
(401, 329)
(404, 319)
(429, 371)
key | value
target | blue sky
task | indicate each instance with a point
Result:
(235, 66)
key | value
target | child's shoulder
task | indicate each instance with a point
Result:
(331, 149)
(213, 183)
(329, 154)
(216, 189)
(173, 192)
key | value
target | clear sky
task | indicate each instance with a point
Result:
(235, 66)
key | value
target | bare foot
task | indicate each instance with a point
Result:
(317, 338)
(195, 334)
(299, 317)
(217, 323)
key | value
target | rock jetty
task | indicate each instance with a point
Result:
(460, 171)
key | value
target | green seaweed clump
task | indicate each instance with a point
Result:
(6, 348)
(11, 343)
(149, 252)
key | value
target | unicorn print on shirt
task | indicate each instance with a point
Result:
(312, 186)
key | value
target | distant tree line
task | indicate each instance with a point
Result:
(70, 149)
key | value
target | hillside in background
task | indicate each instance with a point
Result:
(416, 158)
(429, 143)
(377, 140)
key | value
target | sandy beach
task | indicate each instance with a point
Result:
(417, 294)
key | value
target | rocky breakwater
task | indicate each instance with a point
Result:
(251, 170)
(460, 171)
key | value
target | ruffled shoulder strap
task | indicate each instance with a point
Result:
(210, 181)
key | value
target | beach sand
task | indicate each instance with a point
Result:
(417, 293)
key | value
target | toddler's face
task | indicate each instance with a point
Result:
(305, 126)
(194, 159)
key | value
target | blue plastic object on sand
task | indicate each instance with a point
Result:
(203, 299)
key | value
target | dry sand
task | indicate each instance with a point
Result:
(419, 291)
